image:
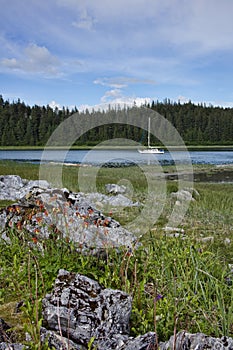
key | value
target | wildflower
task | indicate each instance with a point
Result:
(90, 210)
(41, 206)
(158, 297)
(53, 198)
(98, 222)
(19, 225)
(106, 222)
(39, 219)
(38, 202)
(85, 224)
(34, 239)
(129, 252)
(17, 208)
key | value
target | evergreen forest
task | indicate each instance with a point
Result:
(24, 125)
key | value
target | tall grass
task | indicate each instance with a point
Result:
(187, 280)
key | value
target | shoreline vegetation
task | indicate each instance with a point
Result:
(22, 125)
(86, 147)
(195, 262)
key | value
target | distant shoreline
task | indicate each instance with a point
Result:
(190, 148)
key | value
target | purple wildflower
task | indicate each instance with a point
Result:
(158, 297)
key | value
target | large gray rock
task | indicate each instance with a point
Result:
(96, 198)
(197, 341)
(56, 213)
(79, 309)
(114, 188)
(12, 187)
(7, 338)
(58, 341)
(12, 346)
(142, 342)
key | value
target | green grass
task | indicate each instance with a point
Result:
(192, 275)
(23, 169)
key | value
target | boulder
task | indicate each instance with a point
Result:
(114, 188)
(79, 309)
(198, 341)
(6, 335)
(57, 213)
(12, 346)
(12, 187)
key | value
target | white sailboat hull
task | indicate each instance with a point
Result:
(151, 151)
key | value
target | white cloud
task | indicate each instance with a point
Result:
(202, 25)
(111, 94)
(121, 82)
(34, 59)
(84, 21)
(115, 99)
(54, 104)
(109, 82)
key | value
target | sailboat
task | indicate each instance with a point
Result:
(150, 149)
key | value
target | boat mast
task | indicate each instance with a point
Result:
(148, 136)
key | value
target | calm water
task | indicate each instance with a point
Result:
(121, 157)
(118, 157)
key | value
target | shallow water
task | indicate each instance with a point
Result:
(118, 158)
(101, 157)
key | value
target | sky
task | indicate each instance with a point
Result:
(91, 53)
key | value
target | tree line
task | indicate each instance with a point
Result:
(24, 125)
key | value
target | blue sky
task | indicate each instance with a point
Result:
(91, 53)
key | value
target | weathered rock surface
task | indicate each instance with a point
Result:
(12, 187)
(47, 212)
(12, 346)
(114, 188)
(7, 337)
(5, 334)
(79, 309)
(197, 341)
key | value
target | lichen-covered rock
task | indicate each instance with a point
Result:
(197, 341)
(58, 341)
(56, 214)
(115, 188)
(12, 187)
(147, 341)
(12, 346)
(79, 309)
